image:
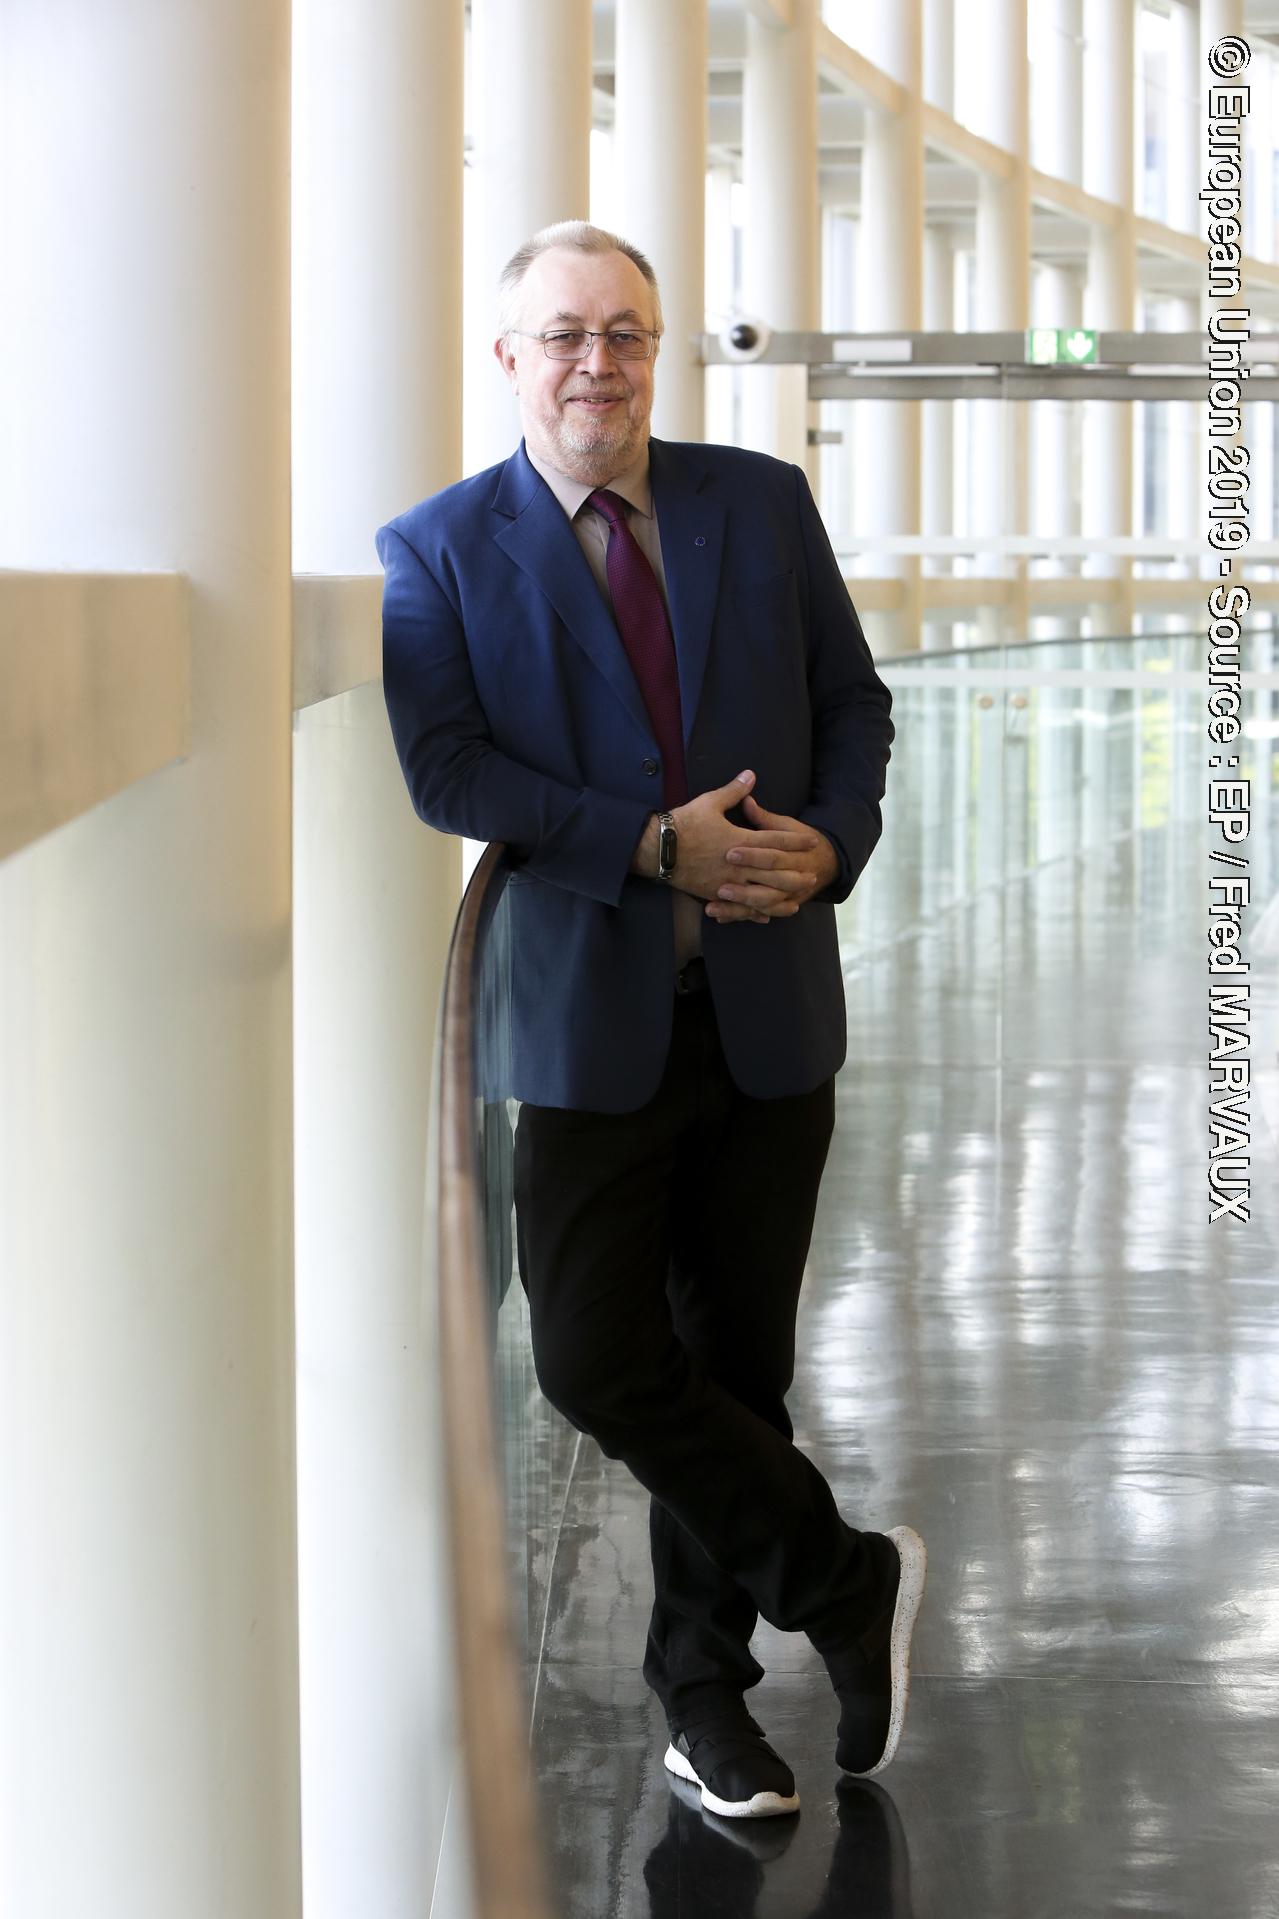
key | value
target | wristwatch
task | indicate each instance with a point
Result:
(667, 846)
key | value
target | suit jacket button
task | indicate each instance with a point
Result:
(650, 766)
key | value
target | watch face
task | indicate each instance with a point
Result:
(666, 849)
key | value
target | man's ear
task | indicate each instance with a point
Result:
(504, 356)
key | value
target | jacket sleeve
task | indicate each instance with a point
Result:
(459, 781)
(852, 732)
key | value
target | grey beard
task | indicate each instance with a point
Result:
(603, 452)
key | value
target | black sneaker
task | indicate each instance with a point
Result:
(740, 1775)
(871, 1674)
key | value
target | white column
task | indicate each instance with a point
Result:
(886, 433)
(377, 239)
(1059, 302)
(837, 461)
(939, 53)
(530, 119)
(718, 417)
(1003, 209)
(148, 1654)
(660, 81)
(1058, 298)
(1110, 297)
(1217, 18)
(1183, 117)
(1000, 428)
(780, 265)
(937, 503)
(1259, 161)
(938, 426)
(1185, 474)
(1057, 90)
(377, 425)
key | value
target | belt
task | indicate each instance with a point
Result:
(691, 978)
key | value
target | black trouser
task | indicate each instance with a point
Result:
(662, 1253)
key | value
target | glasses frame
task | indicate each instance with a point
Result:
(653, 333)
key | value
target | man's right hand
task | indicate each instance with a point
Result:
(705, 835)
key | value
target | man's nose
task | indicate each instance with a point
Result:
(599, 360)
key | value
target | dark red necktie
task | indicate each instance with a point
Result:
(641, 619)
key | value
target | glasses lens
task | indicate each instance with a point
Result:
(567, 345)
(629, 346)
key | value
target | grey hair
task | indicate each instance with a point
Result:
(580, 237)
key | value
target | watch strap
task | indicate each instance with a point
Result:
(667, 846)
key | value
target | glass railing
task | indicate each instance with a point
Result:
(487, 1465)
(1007, 757)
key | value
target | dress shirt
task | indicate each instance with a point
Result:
(591, 529)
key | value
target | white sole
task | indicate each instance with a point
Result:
(762, 1805)
(910, 1593)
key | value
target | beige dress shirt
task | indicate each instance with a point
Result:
(591, 529)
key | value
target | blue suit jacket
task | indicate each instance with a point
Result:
(517, 717)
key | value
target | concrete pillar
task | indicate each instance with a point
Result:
(780, 264)
(937, 498)
(377, 425)
(530, 90)
(890, 276)
(1110, 298)
(660, 81)
(148, 1647)
(1000, 428)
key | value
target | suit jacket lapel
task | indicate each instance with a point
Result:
(691, 523)
(538, 537)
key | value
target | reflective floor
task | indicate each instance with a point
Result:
(1018, 1334)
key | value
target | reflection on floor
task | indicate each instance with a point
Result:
(1019, 1335)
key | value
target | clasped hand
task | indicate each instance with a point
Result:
(766, 873)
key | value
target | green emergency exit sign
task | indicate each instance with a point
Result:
(1061, 346)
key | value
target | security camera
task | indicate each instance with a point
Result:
(744, 339)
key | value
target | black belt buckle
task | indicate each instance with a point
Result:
(691, 978)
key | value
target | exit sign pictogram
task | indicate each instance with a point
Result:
(1061, 346)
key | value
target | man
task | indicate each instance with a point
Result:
(637, 664)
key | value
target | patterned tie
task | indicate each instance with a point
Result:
(646, 634)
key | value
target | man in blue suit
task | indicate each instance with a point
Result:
(603, 652)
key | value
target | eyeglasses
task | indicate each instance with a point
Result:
(575, 343)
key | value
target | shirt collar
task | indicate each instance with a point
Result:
(633, 485)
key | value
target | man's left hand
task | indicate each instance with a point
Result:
(775, 882)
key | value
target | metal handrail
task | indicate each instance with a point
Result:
(508, 1866)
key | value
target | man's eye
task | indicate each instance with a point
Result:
(565, 339)
(624, 340)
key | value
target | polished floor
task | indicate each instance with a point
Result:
(1018, 1334)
